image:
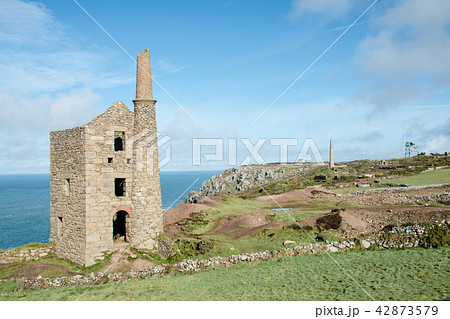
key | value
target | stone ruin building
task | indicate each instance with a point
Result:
(105, 185)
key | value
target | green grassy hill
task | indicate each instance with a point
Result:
(385, 275)
(441, 176)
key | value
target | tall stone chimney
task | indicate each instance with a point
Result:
(144, 77)
(331, 155)
(146, 198)
(144, 104)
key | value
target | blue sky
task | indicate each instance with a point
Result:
(385, 82)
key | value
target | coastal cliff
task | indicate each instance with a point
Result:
(238, 179)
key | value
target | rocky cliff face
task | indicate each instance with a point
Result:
(236, 180)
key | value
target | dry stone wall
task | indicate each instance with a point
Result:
(14, 255)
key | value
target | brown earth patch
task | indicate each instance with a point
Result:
(182, 211)
(31, 270)
(353, 221)
(121, 263)
(211, 200)
(244, 225)
(174, 231)
(232, 223)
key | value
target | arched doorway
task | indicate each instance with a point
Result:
(121, 222)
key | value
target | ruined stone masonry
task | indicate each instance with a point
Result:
(105, 185)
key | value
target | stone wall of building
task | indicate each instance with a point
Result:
(103, 166)
(68, 193)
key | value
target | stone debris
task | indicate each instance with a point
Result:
(365, 244)
(405, 236)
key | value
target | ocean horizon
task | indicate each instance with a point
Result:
(26, 202)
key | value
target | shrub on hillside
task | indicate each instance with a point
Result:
(332, 220)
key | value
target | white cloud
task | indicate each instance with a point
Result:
(328, 8)
(38, 55)
(47, 82)
(44, 113)
(21, 146)
(167, 66)
(25, 22)
(407, 53)
(412, 38)
(26, 123)
(437, 144)
(53, 71)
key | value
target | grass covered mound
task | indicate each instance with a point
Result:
(441, 176)
(385, 275)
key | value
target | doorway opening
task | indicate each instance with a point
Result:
(121, 222)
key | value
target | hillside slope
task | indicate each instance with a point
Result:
(248, 181)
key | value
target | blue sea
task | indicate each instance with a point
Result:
(25, 203)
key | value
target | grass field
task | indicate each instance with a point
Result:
(440, 176)
(413, 274)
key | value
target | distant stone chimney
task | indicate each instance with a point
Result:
(331, 155)
(144, 77)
